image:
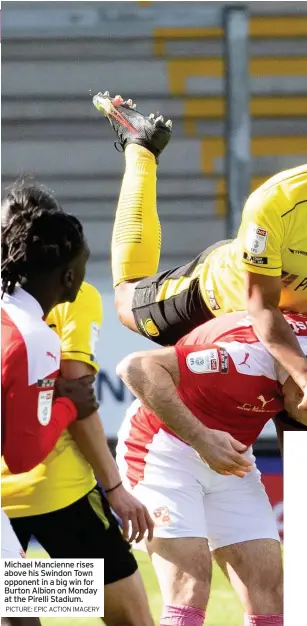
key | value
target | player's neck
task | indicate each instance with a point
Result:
(43, 293)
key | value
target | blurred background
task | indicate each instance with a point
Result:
(232, 77)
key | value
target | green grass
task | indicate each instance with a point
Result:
(223, 608)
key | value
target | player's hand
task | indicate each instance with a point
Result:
(223, 453)
(81, 392)
(129, 509)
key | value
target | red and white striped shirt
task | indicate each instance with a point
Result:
(30, 351)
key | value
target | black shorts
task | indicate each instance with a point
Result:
(86, 529)
(169, 305)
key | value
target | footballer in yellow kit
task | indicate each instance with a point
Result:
(272, 241)
(263, 270)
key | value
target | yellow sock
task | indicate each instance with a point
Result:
(136, 240)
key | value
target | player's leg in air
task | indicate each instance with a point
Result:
(158, 306)
(263, 269)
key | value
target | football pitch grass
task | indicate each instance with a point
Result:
(224, 607)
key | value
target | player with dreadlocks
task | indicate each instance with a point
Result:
(64, 508)
(43, 263)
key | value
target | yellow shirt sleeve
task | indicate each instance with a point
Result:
(261, 234)
(78, 324)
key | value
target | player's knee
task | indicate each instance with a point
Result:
(191, 586)
(190, 591)
(272, 586)
(266, 592)
(183, 567)
(267, 577)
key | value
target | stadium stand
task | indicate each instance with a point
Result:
(167, 60)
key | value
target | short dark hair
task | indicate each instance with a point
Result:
(38, 236)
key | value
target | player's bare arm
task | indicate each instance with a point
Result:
(91, 441)
(153, 377)
(263, 295)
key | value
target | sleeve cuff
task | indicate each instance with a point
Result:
(261, 269)
(80, 356)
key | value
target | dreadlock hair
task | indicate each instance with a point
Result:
(37, 236)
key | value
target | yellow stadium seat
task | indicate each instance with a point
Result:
(195, 109)
(260, 106)
(214, 147)
(181, 69)
(273, 27)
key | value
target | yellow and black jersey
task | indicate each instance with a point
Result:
(78, 324)
(272, 240)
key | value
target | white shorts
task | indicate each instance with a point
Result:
(10, 546)
(187, 499)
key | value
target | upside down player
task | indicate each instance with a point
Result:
(218, 377)
(59, 502)
(49, 253)
(263, 269)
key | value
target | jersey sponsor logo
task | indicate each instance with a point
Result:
(302, 285)
(256, 408)
(256, 240)
(244, 362)
(150, 328)
(44, 407)
(203, 362)
(297, 251)
(162, 516)
(212, 300)
(258, 260)
(224, 361)
(298, 327)
(46, 383)
(287, 279)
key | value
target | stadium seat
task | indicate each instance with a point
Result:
(175, 67)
